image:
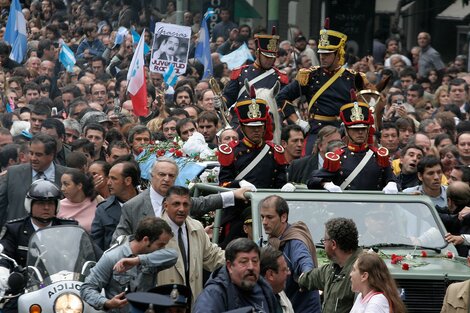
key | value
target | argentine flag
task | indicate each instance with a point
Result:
(169, 77)
(15, 32)
(136, 39)
(66, 57)
(203, 49)
(238, 57)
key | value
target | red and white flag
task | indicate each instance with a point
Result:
(137, 86)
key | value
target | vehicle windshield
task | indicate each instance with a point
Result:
(377, 223)
(59, 249)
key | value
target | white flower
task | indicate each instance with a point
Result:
(409, 257)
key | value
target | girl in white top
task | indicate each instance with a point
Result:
(377, 290)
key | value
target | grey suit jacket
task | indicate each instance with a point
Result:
(13, 188)
(140, 207)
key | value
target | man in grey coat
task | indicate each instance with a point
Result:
(149, 202)
(14, 186)
(131, 265)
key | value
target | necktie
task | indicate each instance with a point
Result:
(182, 248)
(39, 175)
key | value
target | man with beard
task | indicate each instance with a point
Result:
(359, 165)
(238, 284)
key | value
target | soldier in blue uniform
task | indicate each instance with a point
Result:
(343, 169)
(261, 74)
(252, 162)
(254, 159)
(326, 87)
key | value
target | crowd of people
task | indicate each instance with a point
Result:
(397, 120)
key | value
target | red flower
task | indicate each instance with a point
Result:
(450, 255)
(172, 150)
(396, 259)
(424, 254)
(178, 153)
(405, 267)
(160, 152)
(140, 150)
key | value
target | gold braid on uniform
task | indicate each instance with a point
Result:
(341, 54)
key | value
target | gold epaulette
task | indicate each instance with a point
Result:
(303, 75)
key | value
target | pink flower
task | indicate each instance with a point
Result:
(450, 255)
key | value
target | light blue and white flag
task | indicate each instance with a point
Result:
(67, 57)
(120, 35)
(169, 77)
(135, 41)
(203, 48)
(15, 32)
(238, 57)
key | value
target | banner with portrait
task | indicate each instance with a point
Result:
(170, 46)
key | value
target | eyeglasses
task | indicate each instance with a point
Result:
(322, 241)
(428, 108)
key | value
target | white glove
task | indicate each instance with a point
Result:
(244, 184)
(391, 188)
(332, 187)
(303, 124)
(4, 274)
(288, 188)
(217, 102)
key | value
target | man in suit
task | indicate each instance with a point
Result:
(196, 252)
(168, 49)
(150, 202)
(14, 185)
(299, 170)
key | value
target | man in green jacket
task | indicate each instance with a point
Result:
(341, 247)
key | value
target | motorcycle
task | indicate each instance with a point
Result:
(59, 258)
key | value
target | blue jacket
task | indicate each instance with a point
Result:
(299, 260)
(221, 295)
(104, 224)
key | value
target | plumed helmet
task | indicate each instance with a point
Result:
(42, 190)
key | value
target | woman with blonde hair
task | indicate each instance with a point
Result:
(441, 98)
(378, 292)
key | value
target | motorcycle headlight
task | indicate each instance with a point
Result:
(68, 303)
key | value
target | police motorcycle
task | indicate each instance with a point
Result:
(58, 260)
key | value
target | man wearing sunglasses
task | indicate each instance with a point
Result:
(342, 249)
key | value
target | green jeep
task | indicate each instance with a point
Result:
(404, 229)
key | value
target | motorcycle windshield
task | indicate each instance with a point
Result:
(59, 249)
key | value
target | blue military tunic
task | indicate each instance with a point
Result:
(374, 176)
(326, 108)
(237, 80)
(270, 172)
